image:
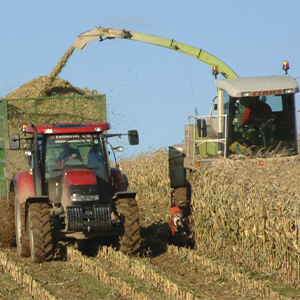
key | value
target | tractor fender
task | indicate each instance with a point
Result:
(24, 188)
(125, 194)
(119, 181)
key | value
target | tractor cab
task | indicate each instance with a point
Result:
(69, 162)
(75, 159)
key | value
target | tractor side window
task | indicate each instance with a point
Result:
(52, 153)
(53, 174)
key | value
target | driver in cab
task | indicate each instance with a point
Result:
(67, 153)
(258, 117)
(96, 160)
(257, 109)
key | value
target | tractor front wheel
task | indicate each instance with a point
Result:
(130, 240)
(40, 232)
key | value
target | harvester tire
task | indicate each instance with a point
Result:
(130, 240)
(7, 225)
(22, 238)
(40, 232)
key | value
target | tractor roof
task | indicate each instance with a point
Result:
(274, 84)
(65, 128)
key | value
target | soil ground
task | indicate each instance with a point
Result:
(67, 279)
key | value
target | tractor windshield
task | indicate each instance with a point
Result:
(75, 151)
(261, 124)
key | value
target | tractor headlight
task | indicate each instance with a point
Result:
(84, 193)
(83, 198)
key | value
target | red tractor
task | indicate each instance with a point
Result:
(70, 191)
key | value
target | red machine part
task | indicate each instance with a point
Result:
(25, 187)
(180, 226)
(119, 183)
(85, 177)
(68, 128)
(175, 219)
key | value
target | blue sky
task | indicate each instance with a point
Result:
(148, 88)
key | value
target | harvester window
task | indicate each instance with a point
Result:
(261, 124)
(226, 102)
(275, 102)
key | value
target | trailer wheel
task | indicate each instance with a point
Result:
(7, 225)
(22, 238)
(130, 240)
(40, 232)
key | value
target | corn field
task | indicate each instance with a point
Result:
(246, 209)
(148, 175)
(245, 212)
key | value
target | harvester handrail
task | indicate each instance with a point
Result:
(191, 141)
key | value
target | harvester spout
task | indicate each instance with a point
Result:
(101, 33)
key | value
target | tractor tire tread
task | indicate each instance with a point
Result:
(130, 241)
(41, 246)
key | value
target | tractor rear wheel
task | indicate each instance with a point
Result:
(130, 240)
(40, 232)
(7, 225)
(22, 238)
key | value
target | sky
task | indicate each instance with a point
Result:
(148, 88)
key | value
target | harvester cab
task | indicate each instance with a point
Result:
(72, 187)
(255, 117)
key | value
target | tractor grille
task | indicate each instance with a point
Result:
(93, 218)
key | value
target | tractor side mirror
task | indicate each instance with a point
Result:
(133, 137)
(14, 142)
